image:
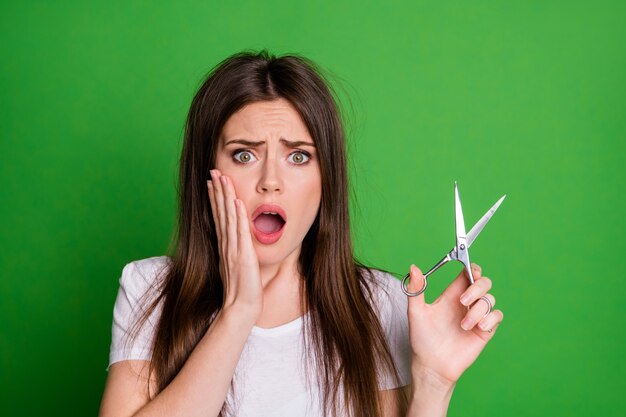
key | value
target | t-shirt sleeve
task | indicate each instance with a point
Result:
(393, 307)
(138, 278)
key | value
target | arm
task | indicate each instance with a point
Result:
(446, 339)
(427, 395)
(201, 386)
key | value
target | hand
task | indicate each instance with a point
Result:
(440, 344)
(239, 266)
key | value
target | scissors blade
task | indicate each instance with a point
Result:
(458, 215)
(462, 253)
(478, 227)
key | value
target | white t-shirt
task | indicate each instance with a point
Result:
(269, 378)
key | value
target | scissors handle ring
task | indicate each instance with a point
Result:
(405, 287)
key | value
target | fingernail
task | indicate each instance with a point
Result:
(465, 299)
(467, 323)
(223, 178)
(209, 183)
(477, 267)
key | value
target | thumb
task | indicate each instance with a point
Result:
(416, 283)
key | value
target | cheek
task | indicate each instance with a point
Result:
(221, 161)
(226, 167)
(311, 198)
(243, 187)
(316, 187)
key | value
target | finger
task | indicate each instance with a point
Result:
(492, 321)
(219, 223)
(231, 215)
(477, 271)
(477, 312)
(416, 283)
(244, 238)
(458, 285)
(213, 209)
(480, 287)
(219, 205)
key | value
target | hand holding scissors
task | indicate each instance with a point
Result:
(448, 335)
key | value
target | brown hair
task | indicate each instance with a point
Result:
(343, 330)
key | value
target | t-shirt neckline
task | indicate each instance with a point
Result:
(281, 329)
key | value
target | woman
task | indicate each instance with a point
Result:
(262, 310)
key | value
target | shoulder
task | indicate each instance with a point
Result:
(391, 305)
(147, 268)
(140, 284)
(379, 280)
(141, 275)
(386, 290)
(379, 275)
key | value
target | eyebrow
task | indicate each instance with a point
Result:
(288, 143)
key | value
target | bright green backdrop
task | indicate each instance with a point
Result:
(525, 98)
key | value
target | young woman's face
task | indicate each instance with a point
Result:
(268, 153)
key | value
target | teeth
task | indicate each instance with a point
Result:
(269, 212)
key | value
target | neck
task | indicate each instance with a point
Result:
(282, 291)
(286, 271)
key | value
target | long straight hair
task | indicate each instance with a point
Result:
(343, 337)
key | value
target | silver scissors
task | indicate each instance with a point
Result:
(463, 242)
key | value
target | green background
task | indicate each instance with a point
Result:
(525, 98)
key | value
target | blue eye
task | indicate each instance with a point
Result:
(243, 157)
(299, 157)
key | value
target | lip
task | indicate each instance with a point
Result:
(268, 238)
(274, 208)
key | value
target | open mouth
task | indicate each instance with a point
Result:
(268, 222)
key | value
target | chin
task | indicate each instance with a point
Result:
(270, 254)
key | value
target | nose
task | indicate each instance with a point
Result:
(271, 178)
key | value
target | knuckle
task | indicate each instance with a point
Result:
(478, 309)
(493, 299)
(475, 290)
(486, 282)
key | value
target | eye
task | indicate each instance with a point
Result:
(243, 157)
(299, 157)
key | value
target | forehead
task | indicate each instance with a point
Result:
(266, 120)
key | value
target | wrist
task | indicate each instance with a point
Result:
(431, 393)
(239, 315)
(426, 378)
